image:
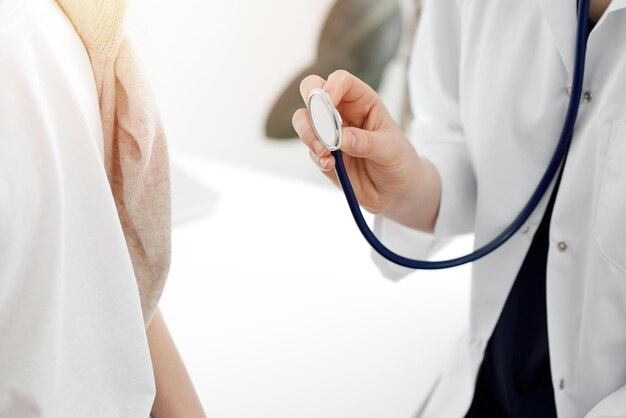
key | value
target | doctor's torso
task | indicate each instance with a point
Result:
(513, 63)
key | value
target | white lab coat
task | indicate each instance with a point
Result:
(489, 87)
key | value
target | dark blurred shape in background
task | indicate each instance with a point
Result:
(360, 36)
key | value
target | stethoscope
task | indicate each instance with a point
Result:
(328, 126)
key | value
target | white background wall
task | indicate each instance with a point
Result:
(218, 66)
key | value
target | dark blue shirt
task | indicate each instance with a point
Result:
(514, 379)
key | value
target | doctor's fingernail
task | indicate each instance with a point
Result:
(319, 148)
(323, 162)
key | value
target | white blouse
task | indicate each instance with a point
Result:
(490, 90)
(72, 337)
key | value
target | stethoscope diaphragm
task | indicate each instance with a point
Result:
(325, 119)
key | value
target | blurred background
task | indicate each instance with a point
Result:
(273, 298)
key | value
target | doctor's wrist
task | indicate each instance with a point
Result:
(418, 206)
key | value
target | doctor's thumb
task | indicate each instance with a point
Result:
(363, 144)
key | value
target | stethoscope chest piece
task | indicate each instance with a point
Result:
(325, 119)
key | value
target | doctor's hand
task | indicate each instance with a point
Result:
(388, 176)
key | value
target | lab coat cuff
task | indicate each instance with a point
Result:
(457, 207)
(456, 212)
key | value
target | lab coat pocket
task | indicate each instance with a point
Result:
(610, 225)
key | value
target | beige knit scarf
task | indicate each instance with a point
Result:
(135, 148)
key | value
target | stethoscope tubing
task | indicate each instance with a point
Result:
(550, 173)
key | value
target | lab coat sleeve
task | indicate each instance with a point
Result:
(437, 133)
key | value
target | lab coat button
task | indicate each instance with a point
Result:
(568, 91)
(562, 246)
(525, 229)
(562, 384)
(587, 96)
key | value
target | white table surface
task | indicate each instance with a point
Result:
(270, 326)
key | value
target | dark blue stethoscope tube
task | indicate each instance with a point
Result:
(550, 173)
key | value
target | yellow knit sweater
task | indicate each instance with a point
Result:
(136, 157)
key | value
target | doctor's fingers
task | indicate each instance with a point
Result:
(309, 83)
(381, 147)
(342, 86)
(302, 124)
(326, 165)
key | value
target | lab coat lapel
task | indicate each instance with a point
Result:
(560, 15)
(615, 6)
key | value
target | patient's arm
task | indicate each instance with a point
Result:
(175, 394)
